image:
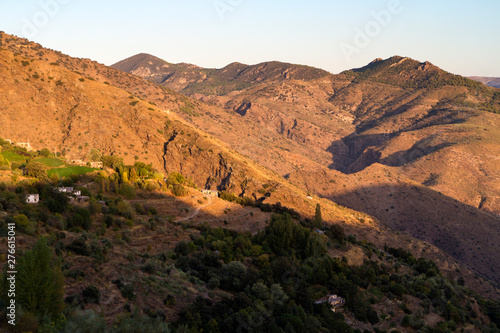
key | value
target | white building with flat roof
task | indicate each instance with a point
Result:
(32, 198)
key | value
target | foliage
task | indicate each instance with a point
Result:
(45, 152)
(178, 190)
(91, 294)
(14, 156)
(36, 170)
(40, 281)
(24, 224)
(318, 220)
(112, 161)
(94, 155)
(175, 178)
(3, 161)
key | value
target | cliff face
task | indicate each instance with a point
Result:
(195, 158)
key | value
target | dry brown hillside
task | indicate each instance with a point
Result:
(247, 141)
(430, 127)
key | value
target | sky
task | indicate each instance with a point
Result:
(460, 36)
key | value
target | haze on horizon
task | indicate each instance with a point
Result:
(459, 37)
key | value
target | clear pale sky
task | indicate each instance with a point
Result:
(459, 36)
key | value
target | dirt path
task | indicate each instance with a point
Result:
(197, 211)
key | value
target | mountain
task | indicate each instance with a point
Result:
(381, 156)
(281, 126)
(489, 81)
(425, 125)
(189, 79)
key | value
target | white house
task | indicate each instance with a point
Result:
(32, 198)
(96, 165)
(64, 189)
(335, 302)
(211, 193)
(25, 145)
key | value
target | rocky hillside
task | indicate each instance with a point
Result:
(293, 125)
(401, 113)
(191, 79)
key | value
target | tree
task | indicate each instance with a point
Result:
(24, 224)
(133, 175)
(178, 190)
(124, 175)
(3, 161)
(175, 178)
(40, 281)
(318, 220)
(36, 170)
(112, 161)
(45, 152)
(94, 155)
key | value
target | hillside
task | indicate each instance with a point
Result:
(139, 262)
(249, 141)
(407, 115)
(190, 79)
(489, 81)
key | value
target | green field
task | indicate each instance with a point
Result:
(13, 157)
(50, 162)
(66, 172)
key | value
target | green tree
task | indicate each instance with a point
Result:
(178, 190)
(175, 178)
(124, 175)
(112, 161)
(3, 161)
(45, 152)
(133, 175)
(40, 281)
(36, 170)
(94, 155)
(318, 220)
(24, 224)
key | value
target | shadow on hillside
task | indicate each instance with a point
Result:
(420, 149)
(468, 234)
(356, 151)
(348, 150)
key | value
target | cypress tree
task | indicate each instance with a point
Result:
(318, 220)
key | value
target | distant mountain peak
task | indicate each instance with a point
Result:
(406, 72)
(489, 81)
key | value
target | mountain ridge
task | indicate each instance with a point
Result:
(489, 81)
(402, 113)
(295, 121)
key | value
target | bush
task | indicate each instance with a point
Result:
(91, 295)
(175, 178)
(128, 191)
(45, 152)
(178, 190)
(79, 246)
(36, 170)
(24, 224)
(128, 292)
